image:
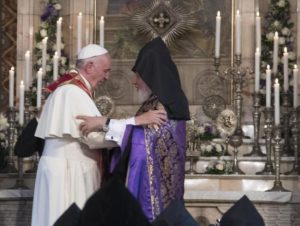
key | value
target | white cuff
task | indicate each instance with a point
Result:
(117, 128)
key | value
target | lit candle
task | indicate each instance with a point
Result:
(11, 86)
(101, 34)
(238, 32)
(39, 88)
(276, 103)
(55, 66)
(27, 70)
(268, 87)
(58, 36)
(218, 33)
(275, 53)
(285, 70)
(257, 69)
(21, 104)
(30, 38)
(79, 31)
(44, 53)
(295, 74)
(258, 31)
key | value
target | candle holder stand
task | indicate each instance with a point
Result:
(268, 169)
(256, 149)
(236, 141)
(238, 75)
(217, 65)
(277, 149)
(10, 168)
(286, 113)
(192, 156)
(295, 134)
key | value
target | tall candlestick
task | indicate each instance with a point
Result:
(101, 30)
(257, 69)
(276, 103)
(44, 53)
(58, 36)
(258, 31)
(55, 66)
(238, 32)
(285, 70)
(11, 86)
(79, 31)
(275, 53)
(268, 87)
(39, 88)
(218, 34)
(295, 88)
(21, 103)
(27, 70)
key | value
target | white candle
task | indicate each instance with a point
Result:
(44, 54)
(79, 31)
(39, 88)
(58, 36)
(55, 66)
(11, 86)
(275, 53)
(268, 87)
(238, 33)
(257, 70)
(101, 30)
(218, 33)
(27, 70)
(276, 103)
(21, 103)
(258, 31)
(285, 70)
(295, 88)
(30, 38)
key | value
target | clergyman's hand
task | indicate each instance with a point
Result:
(156, 117)
(91, 123)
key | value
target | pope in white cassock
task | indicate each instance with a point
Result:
(68, 169)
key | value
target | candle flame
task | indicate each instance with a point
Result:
(285, 49)
(12, 68)
(276, 34)
(295, 66)
(257, 50)
(80, 14)
(102, 18)
(22, 83)
(276, 81)
(257, 14)
(218, 13)
(268, 67)
(41, 70)
(238, 12)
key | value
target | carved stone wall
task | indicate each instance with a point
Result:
(8, 39)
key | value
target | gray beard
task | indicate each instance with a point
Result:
(143, 95)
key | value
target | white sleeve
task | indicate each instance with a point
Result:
(95, 140)
(117, 128)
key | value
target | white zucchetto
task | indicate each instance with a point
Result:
(91, 50)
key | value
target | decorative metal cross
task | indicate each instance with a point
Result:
(161, 20)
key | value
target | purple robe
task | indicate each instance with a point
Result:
(156, 165)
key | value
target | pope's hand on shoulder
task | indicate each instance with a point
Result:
(96, 123)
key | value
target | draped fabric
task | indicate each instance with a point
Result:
(155, 173)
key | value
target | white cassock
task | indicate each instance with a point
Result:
(68, 169)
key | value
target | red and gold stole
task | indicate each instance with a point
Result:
(70, 78)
